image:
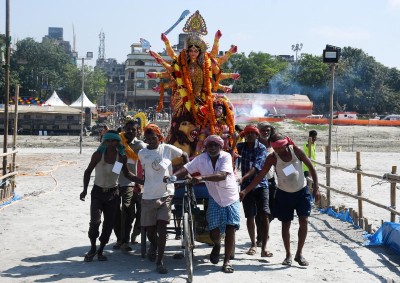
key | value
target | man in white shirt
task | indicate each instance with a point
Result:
(216, 169)
(156, 198)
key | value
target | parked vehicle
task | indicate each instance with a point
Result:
(314, 116)
(345, 115)
(392, 117)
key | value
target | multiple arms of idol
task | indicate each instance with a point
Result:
(216, 63)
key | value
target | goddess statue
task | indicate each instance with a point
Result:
(194, 77)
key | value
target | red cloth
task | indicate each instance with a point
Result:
(249, 129)
(155, 129)
(279, 143)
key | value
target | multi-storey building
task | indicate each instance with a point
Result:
(138, 88)
(57, 34)
(115, 90)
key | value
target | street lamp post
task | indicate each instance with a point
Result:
(89, 55)
(296, 48)
(331, 56)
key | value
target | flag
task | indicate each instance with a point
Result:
(145, 44)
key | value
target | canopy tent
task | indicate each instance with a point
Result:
(86, 102)
(54, 100)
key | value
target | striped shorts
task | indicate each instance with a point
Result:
(219, 217)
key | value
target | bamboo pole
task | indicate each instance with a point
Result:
(388, 176)
(8, 175)
(393, 196)
(361, 198)
(6, 86)
(14, 156)
(309, 145)
(328, 176)
(15, 125)
(8, 153)
(359, 185)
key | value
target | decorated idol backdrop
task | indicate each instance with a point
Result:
(195, 76)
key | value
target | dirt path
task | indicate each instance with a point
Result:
(43, 238)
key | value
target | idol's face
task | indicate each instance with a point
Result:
(193, 52)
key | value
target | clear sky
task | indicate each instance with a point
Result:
(270, 26)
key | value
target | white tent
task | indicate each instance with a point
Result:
(54, 100)
(86, 102)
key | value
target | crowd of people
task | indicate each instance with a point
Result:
(130, 186)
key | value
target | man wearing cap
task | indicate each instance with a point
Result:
(108, 161)
(292, 193)
(256, 202)
(216, 170)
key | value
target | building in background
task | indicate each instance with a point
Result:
(115, 90)
(57, 34)
(139, 92)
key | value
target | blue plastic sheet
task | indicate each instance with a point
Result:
(14, 198)
(344, 215)
(387, 235)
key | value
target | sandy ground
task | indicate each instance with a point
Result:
(43, 237)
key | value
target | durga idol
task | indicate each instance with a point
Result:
(195, 76)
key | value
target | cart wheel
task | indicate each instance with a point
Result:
(188, 242)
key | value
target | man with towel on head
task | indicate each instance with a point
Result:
(292, 193)
(256, 203)
(107, 161)
(156, 199)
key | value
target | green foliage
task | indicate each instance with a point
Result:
(41, 68)
(256, 71)
(361, 84)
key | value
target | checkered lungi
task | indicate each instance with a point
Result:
(219, 217)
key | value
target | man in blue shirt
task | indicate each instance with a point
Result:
(256, 203)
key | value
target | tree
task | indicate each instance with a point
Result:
(96, 82)
(366, 85)
(256, 71)
(313, 77)
(41, 68)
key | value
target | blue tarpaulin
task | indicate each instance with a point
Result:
(387, 235)
(344, 215)
(14, 198)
